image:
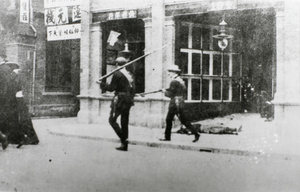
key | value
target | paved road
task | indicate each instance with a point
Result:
(72, 164)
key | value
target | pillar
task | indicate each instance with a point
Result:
(95, 71)
(154, 41)
(90, 65)
(169, 50)
(287, 97)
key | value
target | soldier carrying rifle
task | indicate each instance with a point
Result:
(123, 86)
(176, 92)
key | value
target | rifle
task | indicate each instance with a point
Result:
(129, 63)
(150, 92)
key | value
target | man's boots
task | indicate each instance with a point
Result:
(3, 140)
(197, 135)
(124, 146)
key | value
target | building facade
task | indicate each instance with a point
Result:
(51, 68)
(263, 55)
(179, 33)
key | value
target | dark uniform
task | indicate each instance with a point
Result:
(25, 127)
(176, 92)
(14, 133)
(5, 76)
(15, 120)
(123, 86)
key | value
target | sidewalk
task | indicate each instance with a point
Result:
(258, 138)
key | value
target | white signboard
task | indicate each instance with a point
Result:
(62, 16)
(76, 13)
(125, 14)
(60, 3)
(50, 16)
(63, 32)
(24, 11)
(56, 16)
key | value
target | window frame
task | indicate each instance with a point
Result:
(61, 70)
(188, 76)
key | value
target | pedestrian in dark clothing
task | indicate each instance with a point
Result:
(15, 121)
(14, 133)
(176, 92)
(123, 86)
(9, 110)
(25, 126)
(266, 106)
(5, 72)
(3, 140)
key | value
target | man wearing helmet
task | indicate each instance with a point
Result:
(123, 85)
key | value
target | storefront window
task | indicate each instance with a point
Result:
(61, 64)
(195, 89)
(196, 63)
(217, 64)
(210, 73)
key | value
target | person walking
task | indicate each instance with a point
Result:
(12, 111)
(3, 140)
(4, 84)
(25, 129)
(122, 84)
(176, 92)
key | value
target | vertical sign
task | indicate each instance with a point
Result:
(76, 13)
(24, 11)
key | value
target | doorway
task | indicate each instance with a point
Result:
(127, 32)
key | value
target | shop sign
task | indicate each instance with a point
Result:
(56, 16)
(63, 32)
(24, 11)
(125, 14)
(76, 13)
(60, 3)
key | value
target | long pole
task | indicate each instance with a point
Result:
(129, 63)
(150, 92)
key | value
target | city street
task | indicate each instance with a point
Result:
(228, 67)
(61, 163)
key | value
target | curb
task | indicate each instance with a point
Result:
(177, 146)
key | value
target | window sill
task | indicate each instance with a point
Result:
(210, 101)
(56, 93)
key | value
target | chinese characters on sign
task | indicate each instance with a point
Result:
(24, 11)
(76, 13)
(57, 16)
(126, 14)
(61, 25)
(62, 15)
(63, 32)
(50, 17)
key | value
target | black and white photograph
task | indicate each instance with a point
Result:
(149, 95)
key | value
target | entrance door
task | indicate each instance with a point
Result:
(130, 32)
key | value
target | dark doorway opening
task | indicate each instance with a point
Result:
(132, 33)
